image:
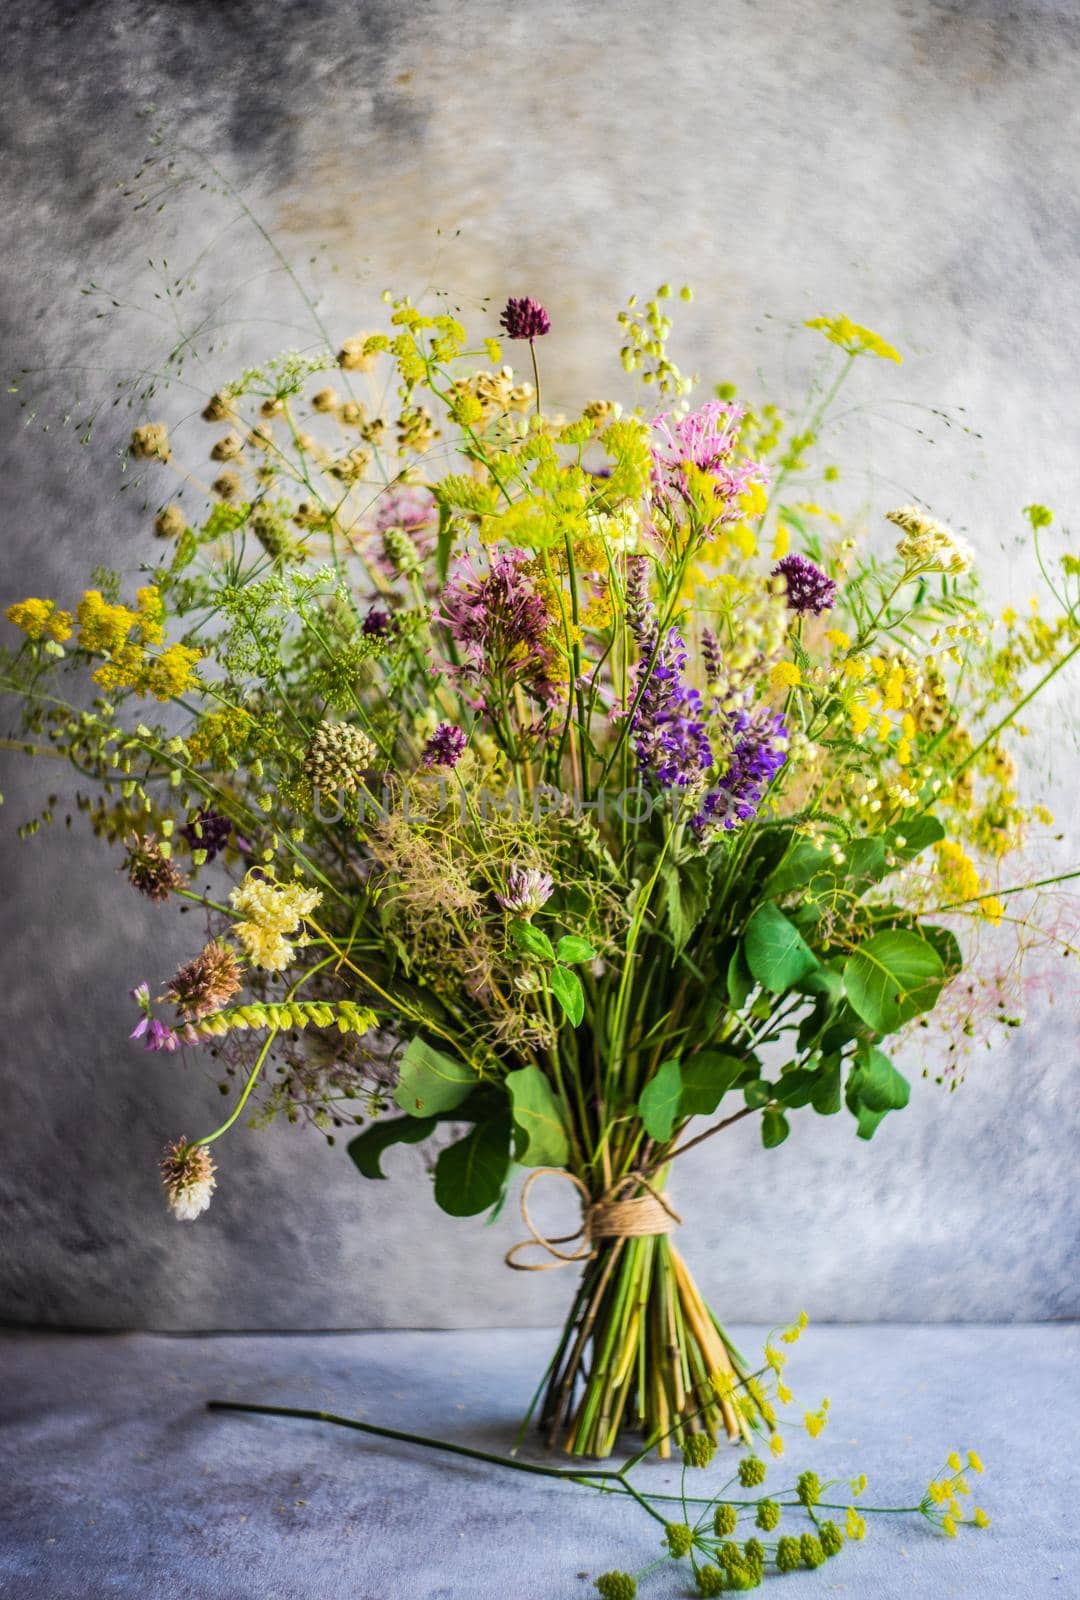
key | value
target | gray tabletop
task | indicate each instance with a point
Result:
(118, 1482)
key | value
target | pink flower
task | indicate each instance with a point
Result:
(707, 438)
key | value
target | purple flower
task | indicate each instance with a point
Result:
(446, 746)
(527, 889)
(378, 622)
(669, 723)
(525, 319)
(808, 588)
(409, 506)
(155, 1035)
(639, 607)
(707, 438)
(499, 621)
(207, 830)
(759, 743)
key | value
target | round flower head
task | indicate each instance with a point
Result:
(187, 1177)
(527, 889)
(207, 830)
(929, 545)
(206, 983)
(525, 319)
(808, 588)
(446, 746)
(150, 870)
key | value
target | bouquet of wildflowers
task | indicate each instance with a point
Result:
(551, 782)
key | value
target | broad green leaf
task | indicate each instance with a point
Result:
(918, 833)
(892, 977)
(796, 1088)
(658, 1106)
(686, 898)
(572, 950)
(470, 1174)
(367, 1148)
(706, 1079)
(873, 1089)
(776, 952)
(566, 987)
(827, 989)
(531, 941)
(740, 980)
(947, 946)
(826, 1098)
(862, 864)
(430, 1082)
(774, 1129)
(542, 1141)
(758, 1093)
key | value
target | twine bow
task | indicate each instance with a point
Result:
(609, 1216)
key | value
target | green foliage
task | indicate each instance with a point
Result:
(541, 1135)
(567, 989)
(431, 1082)
(660, 1101)
(893, 977)
(874, 1088)
(470, 1174)
(776, 953)
(369, 1147)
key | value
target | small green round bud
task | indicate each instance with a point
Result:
(768, 1515)
(831, 1538)
(724, 1520)
(788, 1554)
(710, 1581)
(698, 1450)
(754, 1553)
(616, 1586)
(751, 1471)
(811, 1550)
(680, 1538)
(808, 1488)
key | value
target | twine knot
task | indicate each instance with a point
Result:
(612, 1215)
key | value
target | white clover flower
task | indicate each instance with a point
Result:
(187, 1177)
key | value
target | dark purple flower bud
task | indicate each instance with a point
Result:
(639, 606)
(446, 746)
(207, 830)
(710, 656)
(525, 319)
(808, 588)
(378, 622)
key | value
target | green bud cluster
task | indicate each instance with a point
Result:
(724, 1520)
(345, 1014)
(788, 1554)
(699, 1449)
(808, 1488)
(768, 1515)
(616, 1586)
(710, 1581)
(337, 756)
(810, 1548)
(751, 1471)
(680, 1538)
(831, 1538)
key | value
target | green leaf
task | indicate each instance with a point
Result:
(367, 1148)
(566, 987)
(758, 1093)
(873, 1089)
(776, 952)
(774, 1129)
(430, 1082)
(918, 833)
(863, 864)
(531, 941)
(947, 946)
(659, 1105)
(470, 1174)
(445, 541)
(827, 989)
(892, 977)
(740, 980)
(542, 1141)
(706, 1079)
(571, 949)
(686, 898)
(796, 1088)
(826, 1096)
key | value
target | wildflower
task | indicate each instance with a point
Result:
(167, 676)
(446, 746)
(725, 1518)
(699, 1449)
(705, 440)
(751, 1471)
(205, 983)
(150, 442)
(357, 354)
(187, 1176)
(711, 1581)
(616, 1586)
(207, 830)
(227, 448)
(832, 1540)
(808, 1488)
(524, 318)
(974, 1462)
(270, 912)
(928, 545)
(768, 1515)
(680, 1538)
(527, 889)
(758, 749)
(378, 623)
(338, 756)
(639, 607)
(776, 1445)
(668, 723)
(979, 1517)
(854, 339)
(808, 588)
(784, 675)
(811, 1551)
(150, 870)
(788, 1553)
(38, 618)
(948, 1525)
(170, 523)
(854, 1524)
(156, 1035)
(499, 620)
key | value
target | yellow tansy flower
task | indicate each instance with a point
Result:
(784, 675)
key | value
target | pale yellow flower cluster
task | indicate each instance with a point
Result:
(928, 545)
(271, 912)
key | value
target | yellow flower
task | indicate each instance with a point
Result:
(949, 1526)
(38, 618)
(784, 1394)
(980, 1519)
(784, 675)
(781, 543)
(991, 910)
(171, 674)
(855, 1524)
(754, 501)
(974, 1463)
(903, 752)
(838, 638)
(813, 1422)
(776, 1445)
(860, 720)
(855, 669)
(954, 1461)
(853, 338)
(775, 1358)
(270, 912)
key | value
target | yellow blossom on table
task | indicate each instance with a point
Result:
(784, 1394)
(948, 1525)
(855, 1525)
(980, 1519)
(793, 1334)
(40, 618)
(776, 1445)
(974, 1462)
(270, 912)
(784, 675)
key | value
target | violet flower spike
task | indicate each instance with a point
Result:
(808, 588)
(525, 318)
(446, 746)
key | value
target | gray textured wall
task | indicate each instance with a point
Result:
(911, 163)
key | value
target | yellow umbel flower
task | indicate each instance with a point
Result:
(40, 619)
(854, 339)
(784, 675)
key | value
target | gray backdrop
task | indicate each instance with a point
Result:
(911, 163)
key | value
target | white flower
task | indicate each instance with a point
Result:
(928, 545)
(187, 1177)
